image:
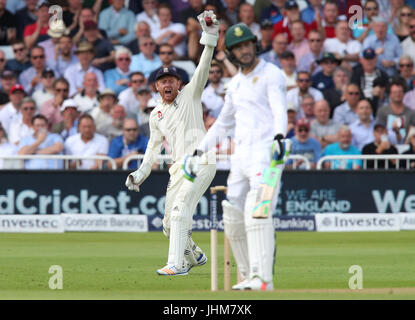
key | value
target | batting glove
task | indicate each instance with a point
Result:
(210, 33)
(135, 179)
(191, 165)
(280, 150)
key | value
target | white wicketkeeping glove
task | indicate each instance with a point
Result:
(210, 33)
(191, 167)
(135, 179)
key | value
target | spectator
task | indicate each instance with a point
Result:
(380, 146)
(214, 94)
(104, 52)
(149, 15)
(127, 98)
(397, 117)
(86, 14)
(41, 142)
(347, 8)
(364, 74)
(26, 16)
(410, 140)
(166, 54)
(380, 96)
(247, 16)
(304, 145)
(7, 25)
(38, 31)
(274, 11)
(402, 28)
(51, 44)
(51, 108)
(323, 80)
(279, 46)
(87, 99)
(129, 143)
(292, 116)
(142, 113)
(69, 124)
(21, 61)
(102, 113)
(306, 108)
(299, 45)
(231, 11)
(406, 71)
(11, 109)
(343, 46)
(114, 129)
(337, 94)
(147, 60)
(117, 79)
(408, 45)
(308, 14)
(294, 96)
(8, 80)
(65, 56)
(362, 129)
(170, 32)
(72, 14)
(324, 129)
(118, 22)
(86, 143)
(75, 73)
(47, 93)
(346, 112)
(13, 6)
(6, 149)
(327, 22)
(31, 78)
(342, 148)
(21, 125)
(308, 62)
(141, 29)
(288, 69)
(265, 41)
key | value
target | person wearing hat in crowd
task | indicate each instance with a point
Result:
(87, 99)
(47, 92)
(366, 72)
(265, 41)
(76, 72)
(117, 79)
(8, 80)
(288, 63)
(102, 114)
(323, 129)
(279, 46)
(128, 97)
(21, 61)
(380, 146)
(38, 31)
(11, 109)
(21, 125)
(64, 55)
(69, 124)
(51, 108)
(323, 80)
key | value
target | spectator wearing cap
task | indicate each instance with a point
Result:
(303, 144)
(7, 81)
(87, 99)
(11, 109)
(141, 29)
(406, 71)
(47, 92)
(397, 117)
(69, 124)
(296, 95)
(362, 129)
(273, 12)
(128, 97)
(25, 16)
(288, 69)
(408, 45)
(38, 31)
(343, 147)
(118, 22)
(51, 108)
(337, 94)
(323, 129)
(308, 62)
(265, 41)
(41, 142)
(247, 15)
(114, 129)
(291, 120)
(166, 54)
(147, 60)
(346, 112)
(7, 25)
(364, 74)
(299, 45)
(117, 79)
(21, 125)
(410, 141)
(279, 46)
(323, 80)
(51, 45)
(76, 72)
(308, 14)
(65, 55)
(214, 93)
(21, 61)
(102, 113)
(343, 46)
(387, 47)
(130, 142)
(380, 145)
(104, 52)
(149, 15)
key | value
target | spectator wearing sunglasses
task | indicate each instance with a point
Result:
(21, 61)
(147, 60)
(128, 98)
(117, 79)
(51, 109)
(47, 93)
(346, 112)
(21, 125)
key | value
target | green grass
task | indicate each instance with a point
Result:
(122, 266)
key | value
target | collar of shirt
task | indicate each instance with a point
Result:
(257, 69)
(122, 72)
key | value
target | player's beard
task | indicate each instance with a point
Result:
(248, 64)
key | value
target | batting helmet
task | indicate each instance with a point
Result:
(238, 33)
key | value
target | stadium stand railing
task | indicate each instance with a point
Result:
(375, 158)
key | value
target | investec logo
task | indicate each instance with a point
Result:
(394, 201)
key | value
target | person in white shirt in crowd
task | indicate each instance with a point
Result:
(294, 96)
(346, 112)
(47, 93)
(127, 97)
(247, 16)
(214, 93)
(86, 143)
(41, 142)
(75, 73)
(102, 113)
(87, 99)
(149, 14)
(408, 45)
(21, 125)
(288, 63)
(7, 149)
(11, 109)
(69, 125)
(322, 127)
(362, 129)
(65, 56)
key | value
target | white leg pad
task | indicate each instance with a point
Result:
(234, 225)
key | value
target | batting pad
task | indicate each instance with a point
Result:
(234, 224)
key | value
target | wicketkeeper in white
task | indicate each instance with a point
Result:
(179, 118)
(255, 108)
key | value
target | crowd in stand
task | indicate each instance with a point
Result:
(77, 76)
